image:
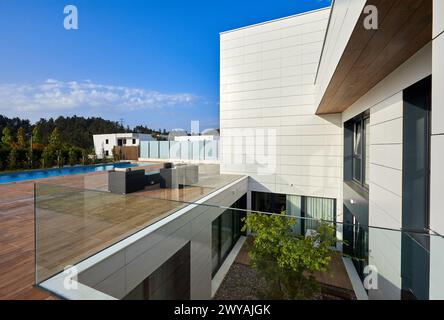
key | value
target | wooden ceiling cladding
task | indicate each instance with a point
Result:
(405, 26)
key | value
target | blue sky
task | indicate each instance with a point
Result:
(154, 63)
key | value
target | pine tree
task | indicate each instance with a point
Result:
(54, 138)
(37, 135)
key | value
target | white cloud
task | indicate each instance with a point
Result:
(58, 97)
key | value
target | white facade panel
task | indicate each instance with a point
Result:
(300, 153)
(437, 86)
(437, 155)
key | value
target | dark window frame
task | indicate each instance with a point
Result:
(362, 156)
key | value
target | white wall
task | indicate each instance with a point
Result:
(267, 83)
(100, 145)
(385, 102)
(437, 155)
(344, 16)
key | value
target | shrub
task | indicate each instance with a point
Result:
(288, 261)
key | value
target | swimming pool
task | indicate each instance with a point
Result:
(47, 173)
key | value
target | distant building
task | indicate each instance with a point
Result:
(105, 143)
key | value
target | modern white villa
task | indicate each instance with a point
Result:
(355, 116)
(105, 143)
(332, 115)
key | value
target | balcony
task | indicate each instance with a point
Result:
(187, 243)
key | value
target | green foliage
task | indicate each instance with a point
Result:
(37, 135)
(288, 261)
(21, 138)
(7, 137)
(47, 158)
(12, 159)
(54, 139)
(60, 160)
(116, 156)
(85, 157)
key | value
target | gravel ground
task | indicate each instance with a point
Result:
(243, 283)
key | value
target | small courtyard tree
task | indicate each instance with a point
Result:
(288, 261)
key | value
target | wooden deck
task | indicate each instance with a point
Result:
(75, 219)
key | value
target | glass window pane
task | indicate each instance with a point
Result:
(226, 232)
(357, 148)
(293, 208)
(367, 150)
(318, 209)
(357, 169)
(215, 244)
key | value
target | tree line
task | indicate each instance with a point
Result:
(55, 142)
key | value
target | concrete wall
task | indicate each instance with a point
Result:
(385, 102)
(121, 272)
(267, 86)
(437, 150)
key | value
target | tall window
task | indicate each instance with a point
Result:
(361, 149)
(225, 231)
(307, 210)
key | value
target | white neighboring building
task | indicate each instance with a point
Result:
(104, 143)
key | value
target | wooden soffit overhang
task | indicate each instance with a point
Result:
(405, 26)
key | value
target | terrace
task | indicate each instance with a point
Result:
(79, 223)
(76, 217)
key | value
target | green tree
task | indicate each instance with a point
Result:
(59, 158)
(47, 157)
(54, 139)
(116, 155)
(72, 156)
(12, 159)
(85, 158)
(6, 137)
(30, 157)
(288, 261)
(21, 138)
(37, 135)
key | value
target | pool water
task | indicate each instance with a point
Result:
(47, 173)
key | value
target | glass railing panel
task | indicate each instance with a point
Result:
(72, 224)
